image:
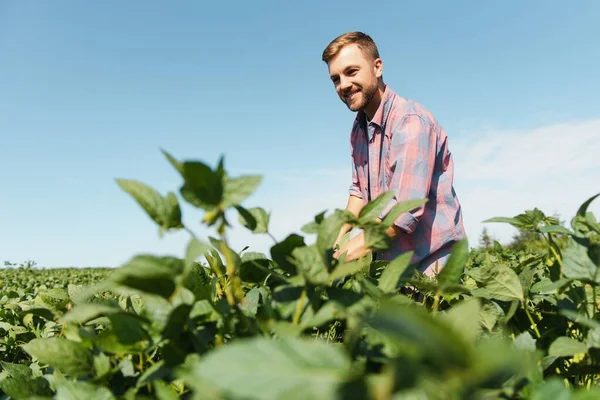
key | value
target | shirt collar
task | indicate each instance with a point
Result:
(382, 113)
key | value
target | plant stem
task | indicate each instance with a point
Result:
(436, 302)
(299, 307)
(533, 324)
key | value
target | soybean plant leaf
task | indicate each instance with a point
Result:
(203, 187)
(310, 264)
(172, 217)
(580, 319)
(195, 249)
(512, 221)
(577, 263)
(504, 285)
(525, 341)
(164, 391)
(262, 368)
(396, 273)
(236, 190)
(282, 251)
(148, 273)
(174, 162)
(412, 326)
(582, 211)
(19, 371)
(375, 207)
(349, 268)
(313, 226)
(77, 390)
(452, 271)
(255, 219)
(565, 346)
(82, 313)
(165, 212)
(56, 298)
(400, 208)
(329, 230)
(255, 267)
(70, 358)
(26, 387)
(464, 319)
(555, 229)
(553, 389)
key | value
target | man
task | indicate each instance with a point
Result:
(397, 145)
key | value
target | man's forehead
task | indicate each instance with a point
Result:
(348, 56)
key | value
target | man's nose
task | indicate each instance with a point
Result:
(345, 84)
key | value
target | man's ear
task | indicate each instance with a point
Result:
(378, 67)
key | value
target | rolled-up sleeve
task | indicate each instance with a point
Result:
(412, 161)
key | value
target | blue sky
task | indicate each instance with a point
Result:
(92, 91)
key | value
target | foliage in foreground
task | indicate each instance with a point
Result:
(223, 324)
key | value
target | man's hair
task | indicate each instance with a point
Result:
(364, 42)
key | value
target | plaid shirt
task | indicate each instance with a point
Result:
(405, 150)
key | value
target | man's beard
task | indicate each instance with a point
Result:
(365, 96)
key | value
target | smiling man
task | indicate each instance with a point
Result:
(396, 145)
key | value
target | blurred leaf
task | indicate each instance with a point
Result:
(71, 358)
(564, 346)
(263, 368)
(396, 273)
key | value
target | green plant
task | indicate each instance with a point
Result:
(297, 323)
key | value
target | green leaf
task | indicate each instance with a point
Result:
(82, 313)
(328, 232)
(310, 263)
(150, 274)
(349, 268)
(164, 211)
(524, 341)
(375, 207)
(401, 208)
(415, 328)
(70, 358)
(554, 389)
(396, 273)
(56, 297)
(255, 219)
(517, 223)
(203, 187)
(69, 390)
(255, 267)
(236, 190)
(174, 162)
(582, 211)
(555, 229)
(464, 318)
(282, 252)
(580, 319)
(263, 368)
(26, 388)
(453, 270)
(577, 263)
(504, 285)
(564, 346)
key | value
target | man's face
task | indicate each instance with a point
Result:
(355, 76)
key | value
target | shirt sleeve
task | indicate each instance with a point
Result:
(412, 160)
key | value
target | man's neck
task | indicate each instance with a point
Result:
(371, 109)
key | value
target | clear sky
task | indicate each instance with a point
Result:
(92, 90)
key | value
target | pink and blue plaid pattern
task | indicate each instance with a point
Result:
(405, 150)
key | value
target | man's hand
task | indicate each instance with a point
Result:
(355, 248)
